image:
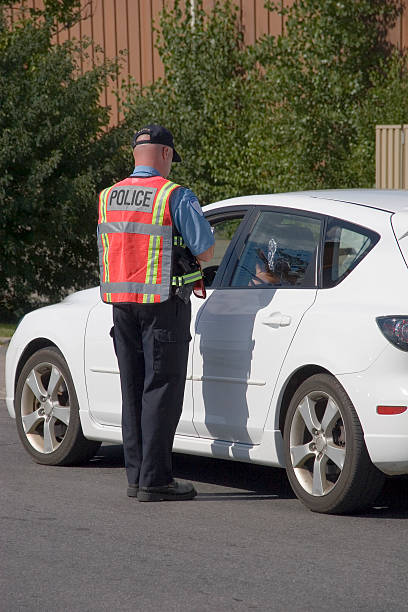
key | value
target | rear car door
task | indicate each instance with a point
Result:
(245, 328)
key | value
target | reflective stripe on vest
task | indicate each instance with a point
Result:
(186, 279)
(135, 241)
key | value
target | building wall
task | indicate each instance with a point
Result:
(128, 24)
(391, 163)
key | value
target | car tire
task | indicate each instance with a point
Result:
(327, 461)
(47, 412)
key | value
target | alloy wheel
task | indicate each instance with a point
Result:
(45, 407)
(317, 443)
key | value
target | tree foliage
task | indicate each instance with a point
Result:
(51, 155)
(209, 98)
(291, 112)
(320, 75)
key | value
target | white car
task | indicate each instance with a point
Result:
(298, 359)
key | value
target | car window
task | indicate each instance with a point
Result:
(345, 246)
(279, 251)
(223, 230)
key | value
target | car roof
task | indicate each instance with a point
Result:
(389, 200)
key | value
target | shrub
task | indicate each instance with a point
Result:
(51, 157)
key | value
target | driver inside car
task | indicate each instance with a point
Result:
(268, 269)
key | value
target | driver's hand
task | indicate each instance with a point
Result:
(264, 276)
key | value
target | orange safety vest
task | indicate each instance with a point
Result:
(135, 242)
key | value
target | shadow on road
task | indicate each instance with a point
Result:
(254, 482)
(392, 503)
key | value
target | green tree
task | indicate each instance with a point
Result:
(209, 98)
(321, 74)
(291, 112)
(52, 154)
(297, 111)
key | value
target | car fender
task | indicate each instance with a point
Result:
(62, 325)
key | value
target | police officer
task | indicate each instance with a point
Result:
(152, 236)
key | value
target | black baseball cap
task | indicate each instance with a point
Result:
(158, 135)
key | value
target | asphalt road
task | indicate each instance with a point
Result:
(71, 539)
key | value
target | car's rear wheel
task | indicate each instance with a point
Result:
(327, 462)
(47, 412)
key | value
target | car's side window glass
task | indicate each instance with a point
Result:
(280, 251)
(223, 230)
(344, 247)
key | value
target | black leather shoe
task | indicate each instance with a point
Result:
(177, 490)
(132, 490)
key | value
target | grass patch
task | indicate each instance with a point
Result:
(7, 329)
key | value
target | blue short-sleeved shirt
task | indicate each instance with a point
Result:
(186, 213)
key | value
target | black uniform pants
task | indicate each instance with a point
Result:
(151, 343)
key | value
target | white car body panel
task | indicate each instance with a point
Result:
(102, 373)
(385, 382)
(241, 340)
(59, 324)
(334, 329)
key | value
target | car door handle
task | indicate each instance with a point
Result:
(277, 319)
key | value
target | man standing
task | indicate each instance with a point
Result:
(152, 236)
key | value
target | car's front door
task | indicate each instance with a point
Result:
(245, 328)
(102, 374)
(101, 366)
